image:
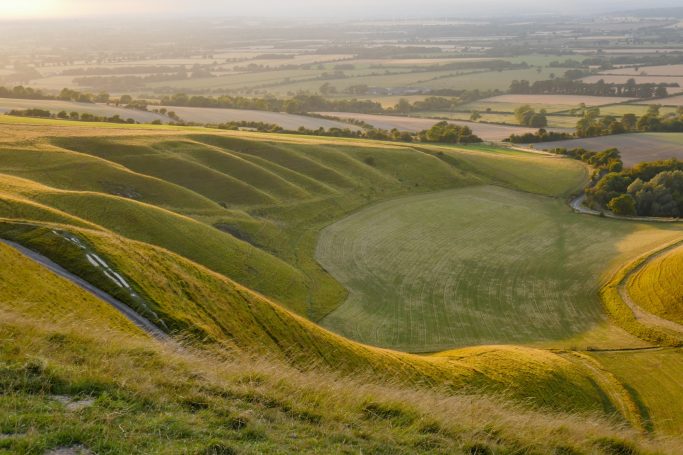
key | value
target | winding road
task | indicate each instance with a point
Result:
(140, 321)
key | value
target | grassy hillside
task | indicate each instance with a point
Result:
(75, 374)
(209, 308)
(216, 235)
(473, 266)
(657, 286)
(273, 192)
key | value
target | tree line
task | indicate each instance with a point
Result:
(630, 88)
(63, 115)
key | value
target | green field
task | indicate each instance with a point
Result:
(472, 266)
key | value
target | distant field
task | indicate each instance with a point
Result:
(287, 121)
(661, 70)
(482, 106)
(564, 100)
(634, 148)
(8, 104)
(671, 101)
(473, 266)
(638, 109)
(658, 287)
(554, 121)
(488, 132)
(655, 379)
(621, 79)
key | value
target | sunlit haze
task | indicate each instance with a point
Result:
(46, 9)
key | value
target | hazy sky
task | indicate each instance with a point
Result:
(12, 9)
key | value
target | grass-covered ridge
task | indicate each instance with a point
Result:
(238, 280)
(270, 195)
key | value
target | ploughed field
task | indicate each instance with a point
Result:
(482, 265)
(634, 148)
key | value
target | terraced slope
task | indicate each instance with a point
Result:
(657, 287)
(265, 197)
(473, 266)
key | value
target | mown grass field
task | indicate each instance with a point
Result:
(657, 286)
(472, 266)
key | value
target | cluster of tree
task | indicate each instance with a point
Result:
(541, 135)
(445, 132)
(527, 116)
(591, 124)
(565, 86)
(603, 162)
(648, 189)
(83, 117)
(28, 93)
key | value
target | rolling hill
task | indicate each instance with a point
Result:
(215, 235)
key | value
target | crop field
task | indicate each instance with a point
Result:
(634, 148)
(286, 121)
(488, 132)
(481, 107)
(639, 109)
(654, 378)
(671, 101)
(554, 121)
(474, 266)
(8, 104)
(657, 287)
